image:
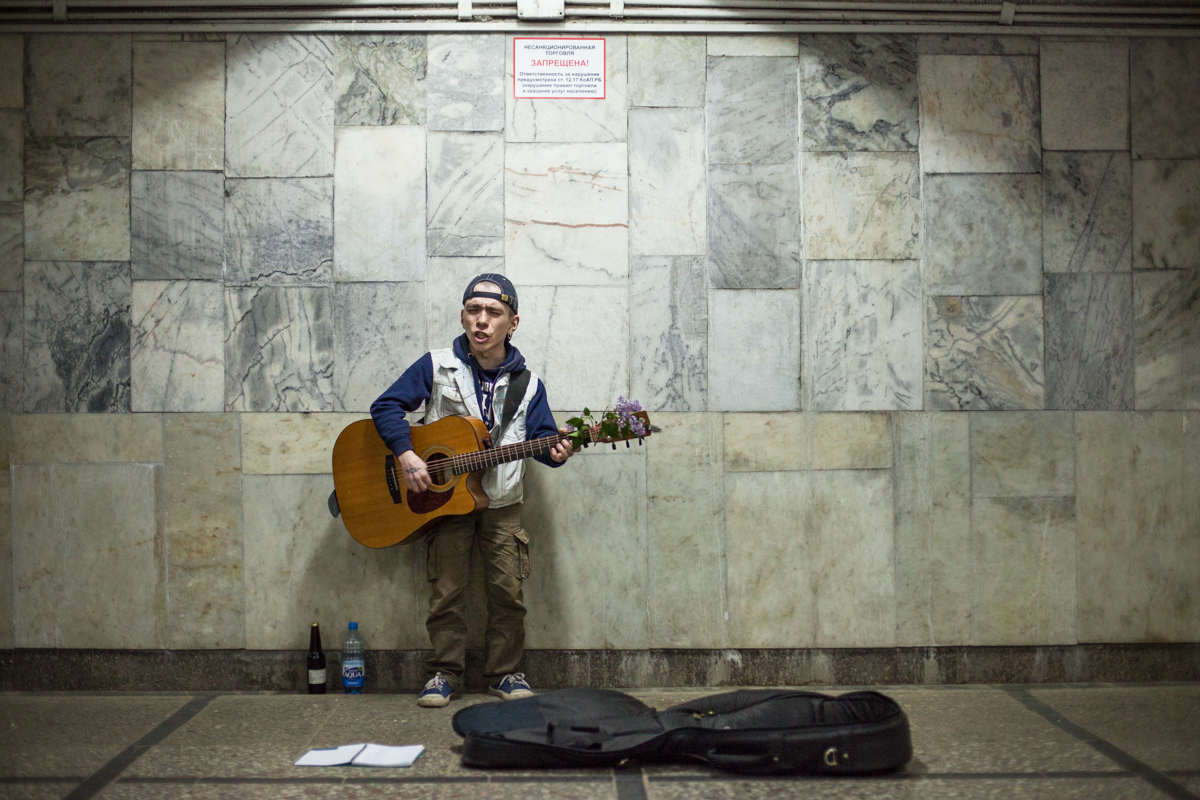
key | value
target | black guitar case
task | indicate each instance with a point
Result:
(756, 731)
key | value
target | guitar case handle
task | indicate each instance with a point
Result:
(334, 508)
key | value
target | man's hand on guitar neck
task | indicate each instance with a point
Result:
(563, 450)
(416, 476)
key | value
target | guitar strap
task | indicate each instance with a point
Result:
(518, 383)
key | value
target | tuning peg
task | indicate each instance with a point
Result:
(614, 445)
(626, 443)
(639, 441)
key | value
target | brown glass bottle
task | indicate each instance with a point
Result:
(317, 681)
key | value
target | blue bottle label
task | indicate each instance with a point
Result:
(352, 672)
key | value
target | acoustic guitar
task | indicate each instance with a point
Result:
(376, 504)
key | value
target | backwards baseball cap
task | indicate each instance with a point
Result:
(506, 295)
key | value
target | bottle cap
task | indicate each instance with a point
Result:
(314, 624)
(353, 626)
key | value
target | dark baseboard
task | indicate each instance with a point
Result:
(36, 670)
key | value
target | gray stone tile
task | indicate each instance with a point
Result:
(12, 154)
(1087, 213)
(279, 349)
(278, 232)
(12, 351)
(445, 280)
(754, 226)
(279, 106)
(936, 44)
(863, 334)
(87, 439)
(754, 355)
(669, 333)
(980, 114)
(1084, 91)
(1166, 340)
(666, 181)
(566, 213)
(753, 45)
(6, 598)
(983, 234)
(1023, 589)
(12, 70)
(984, 353)
(1022, 454)
(64, 594)
(177, 222)
(12, 247)
(300, 567)
(379, 79)
(77, 329)
(862, 205)
(466, 194)
(179, 105)
(1164, 97)
(374, 336)
(203, 505)
(177, 346)
(751, 110)
(667, 71)
(65, 100)
(466, 82)
(933, 550)
(67, 180)
(860, 93)
(808, 440)
(1089, 342)
(379, 183)
(571, 120)
(294, 444)
(1166, 223)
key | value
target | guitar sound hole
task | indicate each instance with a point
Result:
(441, 477)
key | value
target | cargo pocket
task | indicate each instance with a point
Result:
(522, 553)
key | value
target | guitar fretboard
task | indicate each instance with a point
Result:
(483, 459)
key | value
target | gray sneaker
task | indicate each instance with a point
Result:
(511, 687)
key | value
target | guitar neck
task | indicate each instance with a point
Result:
(483, 459)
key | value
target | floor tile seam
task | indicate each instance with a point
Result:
(924, 776)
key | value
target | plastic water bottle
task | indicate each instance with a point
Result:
(353, 663)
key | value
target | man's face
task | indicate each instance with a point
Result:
(487, 322)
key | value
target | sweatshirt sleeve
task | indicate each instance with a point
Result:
(540, 422)
(404, 396)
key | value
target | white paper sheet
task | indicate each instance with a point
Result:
(381, 755)
(331, 757)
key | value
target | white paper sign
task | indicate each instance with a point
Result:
(560, 69)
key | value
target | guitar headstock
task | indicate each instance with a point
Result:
(611, 432)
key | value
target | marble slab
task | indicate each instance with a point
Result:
(12, 154)
(69, 180)
(87, 439)
(279, 106)
(378, 330)
(12, 247)
(1166, 343)
(12, 70)
(466, 194)
(980, 114)
(862, 205)
(849, 441)
(754, 350)
(1084, 91)
(177, 346)
(279, 232)
(379, 79)
(279, 349)
(983, 234)
(1089, 342)
(203, 504)
(1022, 454)
(1087, 212)
(581, 365)
(64, 100)
(64, 594)
(177, 222)
(291, 444)
(666, 182)
(860, 93)
(12, 351)
(685, 532)
(752, 45)
(6, 594)
(301, 566)
(799, 441)
(466, 85)
(77, 330)
(984, 353)
(934, 554)
(952, 44)
(179, 105)
(1023, 590)
(580, 596)
(379, 212)
(1164, 97)
(1166, 214)
(566, 213)
(754, 226)
(571, 120)
(667, 71)
(668, 324)
(752, 110)
(445, 280)
(863, 329)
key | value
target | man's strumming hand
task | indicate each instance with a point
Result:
(416, 476)
(563, 450)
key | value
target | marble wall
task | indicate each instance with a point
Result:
(918, 317)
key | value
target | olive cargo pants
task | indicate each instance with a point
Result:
(504, 547)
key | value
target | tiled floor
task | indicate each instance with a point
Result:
(1089, 741)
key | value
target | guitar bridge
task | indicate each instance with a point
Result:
(393, 480)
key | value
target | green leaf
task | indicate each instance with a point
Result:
(586, 412)
(576, 422)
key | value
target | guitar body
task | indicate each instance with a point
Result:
(376, 505)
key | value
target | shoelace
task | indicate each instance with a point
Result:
(514, 677)
(436, 682)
